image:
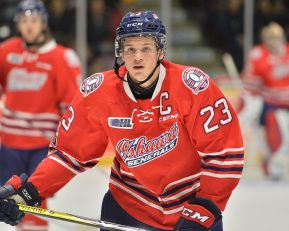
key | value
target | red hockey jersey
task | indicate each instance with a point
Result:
(186, 139)
(38, 86)
(268, 75)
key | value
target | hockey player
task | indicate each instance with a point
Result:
(39, 79)
(179, 150)
(267, 75)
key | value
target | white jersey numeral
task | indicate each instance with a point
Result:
(225, 111)
(219, 104)
(67, 122)
(207, 125)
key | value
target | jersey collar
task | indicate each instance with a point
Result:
(157, 89)
(50, 45)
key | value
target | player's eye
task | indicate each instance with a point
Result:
(147, 50)
(130, 50)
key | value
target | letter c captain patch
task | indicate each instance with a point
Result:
(195, 79)
(91, 83)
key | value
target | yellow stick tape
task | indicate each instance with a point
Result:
(75, 219)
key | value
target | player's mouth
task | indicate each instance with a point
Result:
(138, 67)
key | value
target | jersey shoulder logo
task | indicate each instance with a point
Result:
(195, 79)
(91, 83)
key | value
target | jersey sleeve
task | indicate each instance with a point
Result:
(214, 130)
(67, 77)
(79, 144)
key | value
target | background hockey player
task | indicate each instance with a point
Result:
(39, 79)
(267, 75)
(179, 150)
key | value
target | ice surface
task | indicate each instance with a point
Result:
(256, 205)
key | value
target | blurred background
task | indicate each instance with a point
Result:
(199, 33)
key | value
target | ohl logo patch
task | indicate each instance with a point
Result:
(195, 79)
(91, 83)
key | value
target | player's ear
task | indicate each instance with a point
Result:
(162, 55)
(121, 56)
(44, 25)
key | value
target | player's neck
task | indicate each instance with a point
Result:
(140, 92)
(37, 43)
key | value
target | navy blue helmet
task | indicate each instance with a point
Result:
(143, 23)
(30, 7)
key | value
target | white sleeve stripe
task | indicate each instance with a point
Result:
(127, 182)
(221, 152)
(136, 195)
(232, 162)
(114, 168)
(28, 132)
(63, 164)
(20, 123)
(31, 116)
(76, 163)
(221, 175)
(126, 173)
(135, 185)
(180, 194)
(146, 201)
(82, 162)
(181, 180)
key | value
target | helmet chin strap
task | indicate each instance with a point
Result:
(117, 66)
(116, 69)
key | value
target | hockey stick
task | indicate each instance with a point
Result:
(75, 219)
(231, 69)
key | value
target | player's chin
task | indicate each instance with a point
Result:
(138, 75)
(29, 39)
(140, 78)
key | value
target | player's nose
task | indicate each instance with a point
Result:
(138, 54)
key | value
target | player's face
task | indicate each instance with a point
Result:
(140, 55)
(275, 43)
(273, 38)
(31, 28)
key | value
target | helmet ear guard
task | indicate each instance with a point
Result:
(117, 48)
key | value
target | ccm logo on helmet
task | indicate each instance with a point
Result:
(134, 24)
(191, 214)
